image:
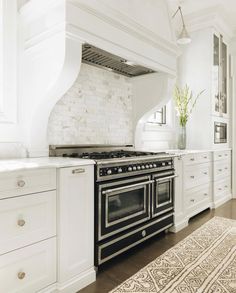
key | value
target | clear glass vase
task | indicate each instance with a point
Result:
(182, 138)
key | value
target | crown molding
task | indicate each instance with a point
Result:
(210, 18)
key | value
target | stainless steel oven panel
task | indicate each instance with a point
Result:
(155, 205)
(134, 244)
(130, 216)
(146, 182)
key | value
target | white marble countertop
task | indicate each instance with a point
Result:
(187, 151)
(45, 162)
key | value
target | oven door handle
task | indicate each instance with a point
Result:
(125, 187)
(166, 178)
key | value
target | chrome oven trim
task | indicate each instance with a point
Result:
(169, 179)
(110, 224)
(101, 186)
(100, 261)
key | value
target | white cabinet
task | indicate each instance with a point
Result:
(28, 230)
(28, 269)
(27, 219)
(204, 181)
(221, 177)
(197, 178)
(76, 226)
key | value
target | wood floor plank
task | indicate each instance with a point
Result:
(124, 266)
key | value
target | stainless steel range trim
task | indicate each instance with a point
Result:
(110, 191)
(100, 261)
(130, 216)
(166, 178)
(101, 186)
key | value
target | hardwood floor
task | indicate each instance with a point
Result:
(124, 266)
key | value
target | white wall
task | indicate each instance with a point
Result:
(97, 109)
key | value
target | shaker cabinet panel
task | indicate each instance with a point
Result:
(76, 221)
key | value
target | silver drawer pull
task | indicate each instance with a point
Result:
(192, 177)
(226, 168)
(219, 188)
(205, 157)
(78, 171)
(21, 183)
(205, 194)
(226, 155)
(21, 275)
(205, 173)
(220, 170)
(192, 200)
(124, 188)
(21, 223)
(166, 178)
(192, 159)
(226, 186)
(219, 156)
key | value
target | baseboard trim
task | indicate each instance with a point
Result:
(179, 226)
(221, 201)
(78, 282)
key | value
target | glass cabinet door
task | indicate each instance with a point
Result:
(216, 64)
(223, 77)
(219, 76)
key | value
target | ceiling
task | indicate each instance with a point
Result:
(226, 7)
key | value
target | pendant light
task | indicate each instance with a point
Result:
(183, 37)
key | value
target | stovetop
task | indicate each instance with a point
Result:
(116, 154)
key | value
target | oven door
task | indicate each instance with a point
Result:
(122, 204)
(163, 194)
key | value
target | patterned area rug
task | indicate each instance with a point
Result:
(204, 262)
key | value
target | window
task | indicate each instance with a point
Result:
(159, 117)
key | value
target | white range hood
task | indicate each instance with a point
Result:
(53, 34)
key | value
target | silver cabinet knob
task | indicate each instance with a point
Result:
(205, 173)
(192, 177)
(21, 275)
(192, 159)
(205, 194)
(21, 183)
(21, 223)
(192, 200)
(220, 170)
(144, 233)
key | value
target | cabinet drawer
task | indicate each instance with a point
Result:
(222, 187)
(222, 169)
(26, 182)
(197, 175)
(196, 195)
(221, 155)
(27, 219)
(197, 158)
(29, 269)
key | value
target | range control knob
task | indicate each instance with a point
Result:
(142, 167)
(163, 164)
(109, 172)
(169, 163)
(150, 166)
(120, 170)
(147, 166)
(134, 168)
(138, 167)
(154, 165)
(130, 169)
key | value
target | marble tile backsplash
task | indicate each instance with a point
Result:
(96, 110)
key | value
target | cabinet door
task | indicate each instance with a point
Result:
(76, 221)
(220, 77)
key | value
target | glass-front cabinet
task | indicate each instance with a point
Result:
(220, 77)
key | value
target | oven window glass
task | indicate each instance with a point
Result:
(126, 204)
(163, 193)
